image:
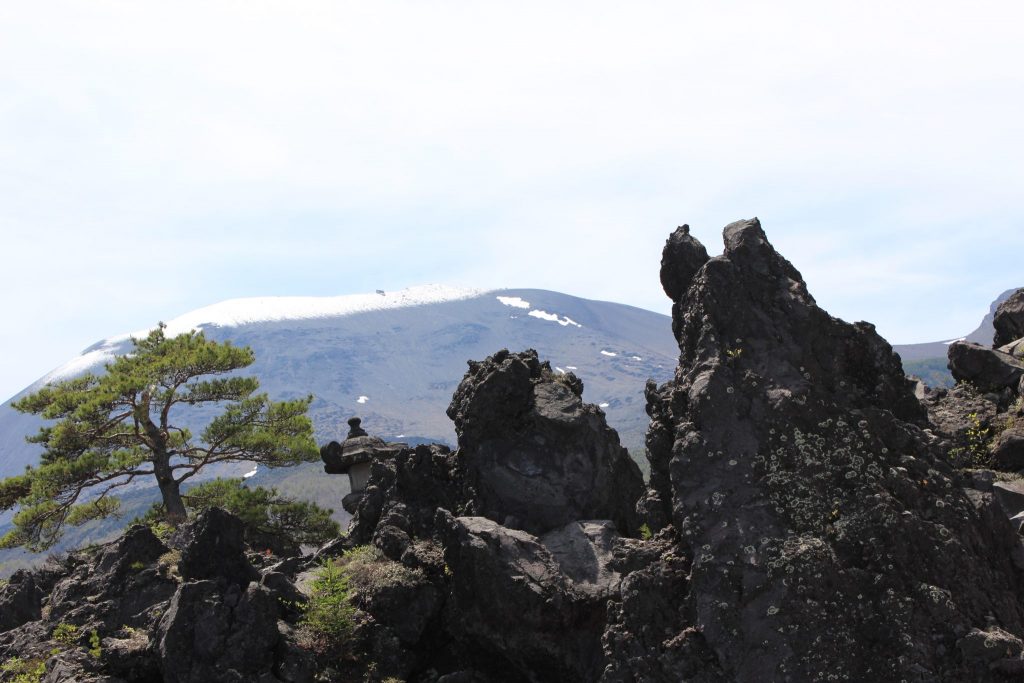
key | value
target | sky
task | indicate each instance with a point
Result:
(160, 157)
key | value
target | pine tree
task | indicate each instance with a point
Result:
(116, 428)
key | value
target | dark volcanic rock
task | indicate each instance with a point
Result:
(828, 538)
(20, 600)
(535, 454)
(1009, 319)
(213, 547)
(511, 595)
(210, 636)
(988, 369)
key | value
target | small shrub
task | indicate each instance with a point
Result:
(645, 531)
(65, 634)
(24, 670)
(368, 570)
(974, 453)
(137, 566)
(94, 644)
(328, 616)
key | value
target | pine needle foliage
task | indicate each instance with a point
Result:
(265, 512)
(112, 429)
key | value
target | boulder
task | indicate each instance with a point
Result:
(790, 456)
(20, 600)
(210, 634)
(213, 547)
(1009, 319)
(1008, 449)
(511, 598)
(990, 370)
(537, 456)
(1010, 495)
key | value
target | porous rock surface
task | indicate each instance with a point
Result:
(829, 539)
(537, 456)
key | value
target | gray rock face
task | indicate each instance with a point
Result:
(1009, 319)
(512, 595)
(210, 636)
(213, 547)
(988, 369)
(20, 601)
(788, 454)
(536, 456)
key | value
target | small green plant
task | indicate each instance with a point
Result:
(24, 670)
(734, 354)
(645, 531)
(94, 644)
(65, 634)
(328, 616)
(137, 566)
(974, 453)
(161, 529)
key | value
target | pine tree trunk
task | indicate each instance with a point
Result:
(174, 506)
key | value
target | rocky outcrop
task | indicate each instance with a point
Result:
(1009, 319)
(20, 601)
(990, 370)
(788, 454)
(137, 610)
(535, 454)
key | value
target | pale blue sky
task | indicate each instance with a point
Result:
(158, 157)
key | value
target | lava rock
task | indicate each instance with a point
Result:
(1009, 319)
(536, 456)
(511, 597)
(20, 600)
(213, 547)
(1008, 449)
(989, 370)
(790, 456)
(213, 636)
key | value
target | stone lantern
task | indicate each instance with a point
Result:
(354, 457)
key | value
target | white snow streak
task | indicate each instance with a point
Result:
(251, 473)
(603, 405)
(554, 317)
(513, 301)
(236, 312)
(610, 354)
(362, 399)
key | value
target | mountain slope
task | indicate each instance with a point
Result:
(394, 360)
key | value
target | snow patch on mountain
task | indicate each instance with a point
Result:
(238, 312)
(564, 321)
(610, 354)
(513, 301)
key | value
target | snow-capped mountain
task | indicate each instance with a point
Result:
(394, 358)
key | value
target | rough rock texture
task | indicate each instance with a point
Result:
(536, 455)
(20, 601)
(990, 370)
(1009, 319)
(133, 611)
(209, 634)
(511, 596)
(213, 547)
(828, 539)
